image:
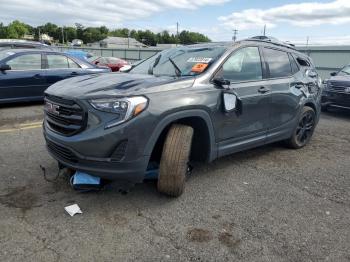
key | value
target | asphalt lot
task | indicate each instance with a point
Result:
(266, 204)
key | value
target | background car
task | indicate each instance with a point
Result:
(112, 62)
(15, 43)
(336, 92)
(26, 73)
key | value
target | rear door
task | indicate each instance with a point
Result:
(59, 67)
(284, 97)
(25, 80)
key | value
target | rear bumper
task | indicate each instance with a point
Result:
(106, 168)
(335, 99)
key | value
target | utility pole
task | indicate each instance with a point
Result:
(62, 36)
(235, 32)
(128, 39)
(264, 30)
(39, 35)
(177, 32)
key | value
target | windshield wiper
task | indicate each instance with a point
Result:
(177, 69)
(150, 70)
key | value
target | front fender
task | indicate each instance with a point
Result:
(173, 117)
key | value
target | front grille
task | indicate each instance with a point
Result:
(64, 116)
(61, 152)
(338, 86)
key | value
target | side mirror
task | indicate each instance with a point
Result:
(230, 102)
(5, 67)
(333, 73)
(221, 82)
(125, 68)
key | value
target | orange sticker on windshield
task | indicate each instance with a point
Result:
(199, 68)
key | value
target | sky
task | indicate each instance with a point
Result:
(323, 21)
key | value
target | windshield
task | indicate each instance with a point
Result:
(182, 61)
(5, 53)
(345, 71)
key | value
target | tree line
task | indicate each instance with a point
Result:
(17, 29)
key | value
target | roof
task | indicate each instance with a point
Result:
(271, 40)
(209, 44)
(21, 50)
(122, 41)
(13, 41)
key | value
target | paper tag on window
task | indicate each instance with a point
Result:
(199, 68)
(204, 60)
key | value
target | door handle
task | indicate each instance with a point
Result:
(37, 76)
(263, 90)
(74, 73)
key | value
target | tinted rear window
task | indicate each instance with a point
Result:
(293, 63)
(278, 63)
(303, 62)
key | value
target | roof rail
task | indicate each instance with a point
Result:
(272, 40)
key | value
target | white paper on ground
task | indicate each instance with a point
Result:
(73, 209)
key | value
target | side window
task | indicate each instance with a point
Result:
(243, 65)
(26, 62)
(303, 62)
(295, 67)
(102, 60)
(72, 64)
(57, 62)
(278, 63)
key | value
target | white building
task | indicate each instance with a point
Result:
(118, 42)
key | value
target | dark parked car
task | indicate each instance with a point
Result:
(191, 103)
(336, 91)
(26, 73)
(113, 63)
(14, 43)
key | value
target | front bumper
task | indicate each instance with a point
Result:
(335, 99)
(106, 168)
(114, 154)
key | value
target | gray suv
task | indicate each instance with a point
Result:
(190, 103)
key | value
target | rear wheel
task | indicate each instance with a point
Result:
(174, 161)
(304, 130)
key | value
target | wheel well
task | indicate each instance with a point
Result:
(200, 144)
(309, 104)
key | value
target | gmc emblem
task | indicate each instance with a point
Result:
(52, 108)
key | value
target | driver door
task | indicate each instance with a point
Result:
(25, 80)
(247, 126)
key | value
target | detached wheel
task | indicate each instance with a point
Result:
(174, 161)
(304, 130)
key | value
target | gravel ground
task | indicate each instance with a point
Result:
(266, 204)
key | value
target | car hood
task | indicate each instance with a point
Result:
(116, 84)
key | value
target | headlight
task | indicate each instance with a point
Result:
(125, 108)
